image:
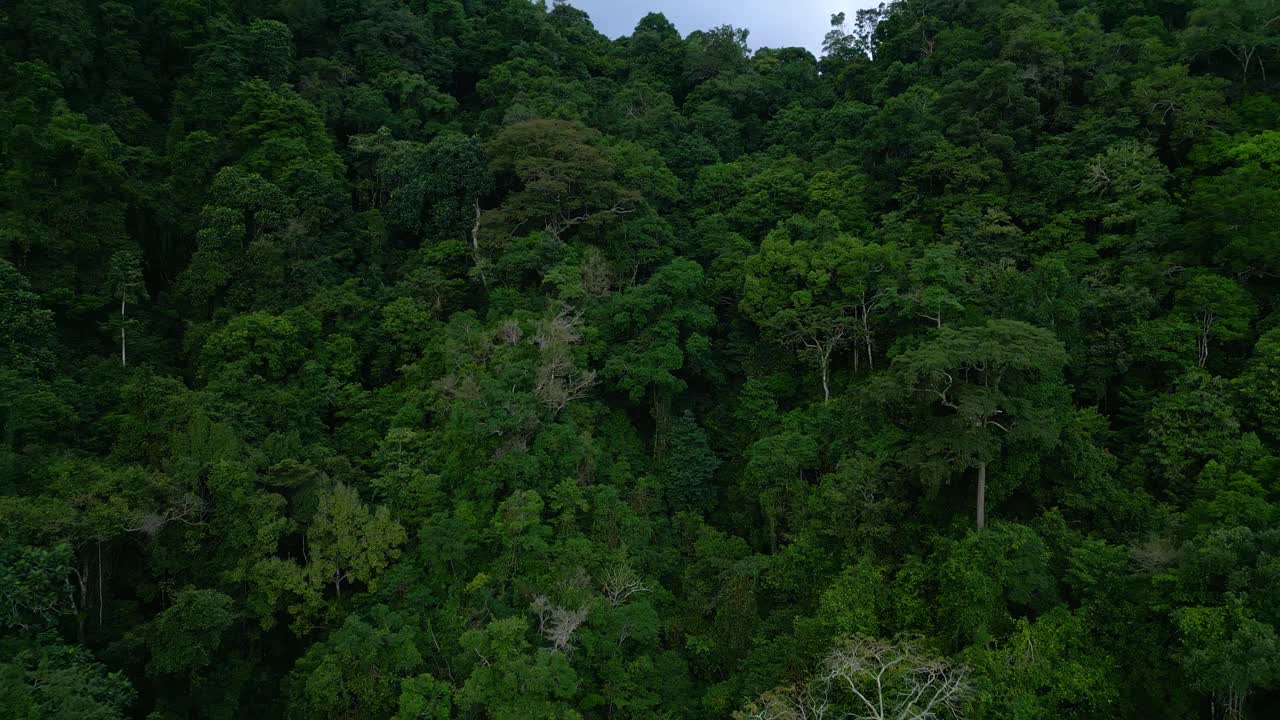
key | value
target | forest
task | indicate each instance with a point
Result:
(448, 359)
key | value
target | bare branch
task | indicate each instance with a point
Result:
(564, 623)
(621, 582)
(870, 679)
(559, 381)
(560, 221)
(188, 510)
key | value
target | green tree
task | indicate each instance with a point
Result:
(1227, 653)
(855, 603)
(657, 330)
(688, 471)
(989, 578)
(35, 586)
(27, 337)
(565, 178)
(185, 638)
(655, 49)
(817, 290)
(977, 390)
(1129, 176)
(368, 668)
(434, 187)
(937, 281)
(63, 681)
(1259, 386)
(348, 542)
(1232, 213)
(1051, 666)
(510, 680)
(1220, 309)
(1245, 31)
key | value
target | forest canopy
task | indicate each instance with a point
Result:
(447, 359)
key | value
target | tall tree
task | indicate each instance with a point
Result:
(126, 285)
(971, 392)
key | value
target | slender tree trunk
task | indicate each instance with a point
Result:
(475, 245)
(123, 361)
(82, 608)
(867, 340)
(982, 495)
(1206, 330)
(824, 364)
(1233, 707)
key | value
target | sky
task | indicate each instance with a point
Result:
(773, 23)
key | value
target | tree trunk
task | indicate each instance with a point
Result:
(475, 246)
(867, 340)
(982, 495)
(1235, 704)
(824, 365)
(1207, 321)
(123, 361)
(82, 608)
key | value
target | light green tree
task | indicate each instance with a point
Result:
(1228, 653)
(349, 542)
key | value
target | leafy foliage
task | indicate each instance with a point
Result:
(448, 359)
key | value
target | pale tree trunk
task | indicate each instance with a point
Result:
(1235, 703)
(1206, 331)
(822, 350)
(982, 495)
(867, 340)
(870, 305)
(1244, 56)
(123, 361)
(826, 387)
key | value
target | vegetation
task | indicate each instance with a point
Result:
(446, 359)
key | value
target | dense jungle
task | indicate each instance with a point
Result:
(436, 359)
